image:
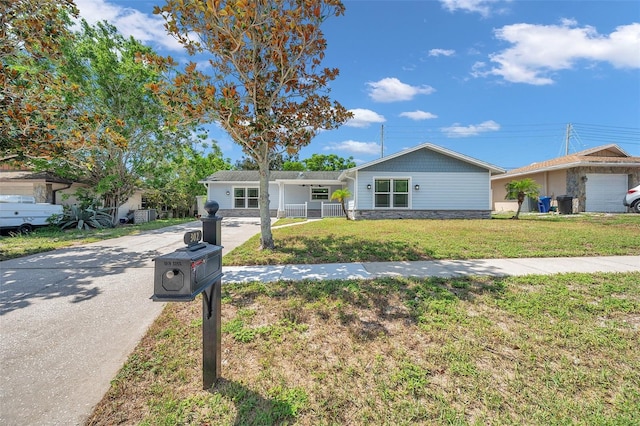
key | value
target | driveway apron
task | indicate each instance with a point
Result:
(70, 317)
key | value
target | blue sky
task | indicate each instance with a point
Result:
(496, 80)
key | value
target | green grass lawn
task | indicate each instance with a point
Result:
(339, 240)
(560, 349)
(532, 350)
(51, 238)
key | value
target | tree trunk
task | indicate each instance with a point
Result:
(521, 198)
(266, 238)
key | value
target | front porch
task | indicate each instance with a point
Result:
(302, 210)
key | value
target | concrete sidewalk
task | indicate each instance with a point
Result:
(431, 268)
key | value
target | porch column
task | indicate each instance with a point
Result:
(281, 198)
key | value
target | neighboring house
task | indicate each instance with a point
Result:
(44, 187)
(426, 181)
(47, 188)
(597, 179)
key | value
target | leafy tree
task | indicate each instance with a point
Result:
(293, 166)
(341, 195)
(266, 84)
(174, 183)
(36, 112)
(131, 129)
(277, 162)
(519, 190)
(331, 162)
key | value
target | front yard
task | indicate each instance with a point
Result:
(530, 350)
(339, 240)
(520, 350)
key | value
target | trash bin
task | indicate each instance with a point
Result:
(544, 204)
(565, 204)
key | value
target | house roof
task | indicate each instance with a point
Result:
(605, 156)
(493, 169)
(27, 175)
(274, 176)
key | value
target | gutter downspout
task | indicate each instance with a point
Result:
(355, 195)
(59, 189)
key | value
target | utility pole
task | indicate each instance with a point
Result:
(567, 138)
(381, 140)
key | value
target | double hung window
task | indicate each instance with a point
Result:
(391, 193)
(245, 198)
(319, 193)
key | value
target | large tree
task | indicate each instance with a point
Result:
(331, 162)
(266, 87)
(36, 113)
(277, 162)
(130, 128)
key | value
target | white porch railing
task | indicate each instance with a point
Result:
(295, 210)
(332, 210)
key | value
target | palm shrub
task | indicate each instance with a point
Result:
(341, 195)
(86, 217)
(520, 189)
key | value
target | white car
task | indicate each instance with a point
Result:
(632, 199)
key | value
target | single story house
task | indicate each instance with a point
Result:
(597, 179)
(48, 188)
(426, 181)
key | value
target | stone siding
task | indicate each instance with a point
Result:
(422, 214)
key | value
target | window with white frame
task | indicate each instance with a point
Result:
(391, 193)
(319, 193)
(245, 198)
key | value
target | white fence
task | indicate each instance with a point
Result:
(332, 210)
(295, 210)
(301, 210)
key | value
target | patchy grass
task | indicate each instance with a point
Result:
(338, 240)
(51, 238)
(520, 350)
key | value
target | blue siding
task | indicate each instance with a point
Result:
(424, 160)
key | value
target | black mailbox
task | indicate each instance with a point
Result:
(182, 275)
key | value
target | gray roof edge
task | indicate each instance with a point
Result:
(562, 167)
(436, 148)
(274, 176)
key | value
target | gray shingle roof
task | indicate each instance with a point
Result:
(254, 176)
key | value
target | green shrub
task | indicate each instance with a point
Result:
(86, 218)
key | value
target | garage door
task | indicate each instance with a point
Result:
(605, 193)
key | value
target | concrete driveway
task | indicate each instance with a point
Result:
(69, 318)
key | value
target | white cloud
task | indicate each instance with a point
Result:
(483, 7)
(418, 115)
(459, 131)
(393, 90)
(441, 52)
(354, 147)
(364, 118)
(147, 28)
(539, 50)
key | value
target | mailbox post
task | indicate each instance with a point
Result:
(197, 268)
(211, 305)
